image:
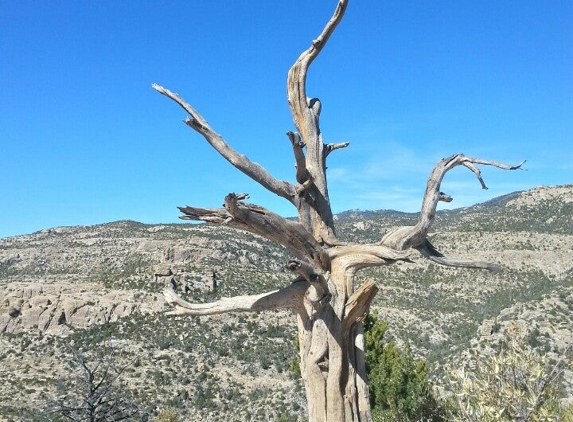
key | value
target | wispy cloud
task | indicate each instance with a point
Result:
(395, 178)
(391, 177)
(377, 163)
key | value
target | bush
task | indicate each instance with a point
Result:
(398, 383)
(168, 414)
(516, 384)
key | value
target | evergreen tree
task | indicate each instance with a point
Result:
(399, 386)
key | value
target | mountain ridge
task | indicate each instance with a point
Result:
(340, 216)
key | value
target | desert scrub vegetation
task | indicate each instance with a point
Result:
(456, 302)
(514, 384)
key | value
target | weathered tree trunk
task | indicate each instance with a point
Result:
(332, 355)
(328, 305)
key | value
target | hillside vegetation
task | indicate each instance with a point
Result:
(98, 288)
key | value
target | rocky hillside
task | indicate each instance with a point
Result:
(48, 278)
(98, 288)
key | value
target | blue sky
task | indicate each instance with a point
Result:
(86, 140)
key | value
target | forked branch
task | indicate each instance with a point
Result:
(240, 161)
(411, 237)
(416, 236)
(314, 206)
(433, 195)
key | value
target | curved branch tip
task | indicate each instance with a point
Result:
(519, 166)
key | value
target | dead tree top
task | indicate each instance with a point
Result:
(312, 240)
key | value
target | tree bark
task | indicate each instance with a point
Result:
(328, 306)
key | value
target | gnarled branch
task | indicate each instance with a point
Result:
(416, 236)
(413, 237)
(427, 250)
(251, 169)
(265, 223)
(289, 297)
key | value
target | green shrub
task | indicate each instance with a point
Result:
(398, 383)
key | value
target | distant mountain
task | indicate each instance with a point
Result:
(100, 285)
(539, 210)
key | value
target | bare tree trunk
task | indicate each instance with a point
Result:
(332, 355)
(328, 305)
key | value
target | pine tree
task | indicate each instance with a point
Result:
(398, 383)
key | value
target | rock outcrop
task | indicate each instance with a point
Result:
(57, 307)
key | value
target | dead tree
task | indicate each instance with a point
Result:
(328, 304)
(95, 392)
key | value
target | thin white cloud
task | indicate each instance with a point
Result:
(397, 181)
(390, 162)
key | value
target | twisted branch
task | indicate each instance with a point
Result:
(416, 236)
(265, 223)
(289, 297)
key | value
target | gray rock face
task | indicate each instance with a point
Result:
(58, 307)
(73, 277)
